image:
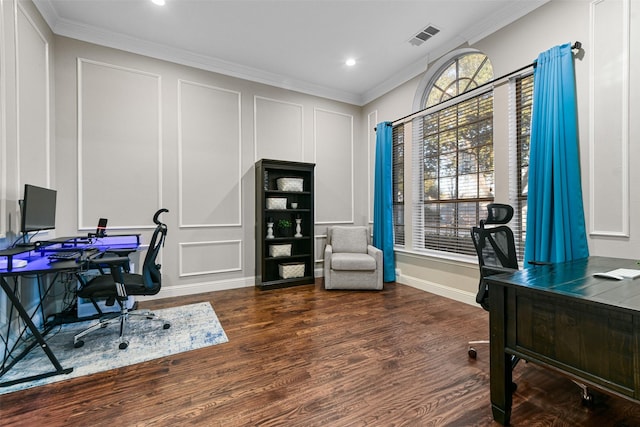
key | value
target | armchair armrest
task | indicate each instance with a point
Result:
(328, 251)
(376, 253)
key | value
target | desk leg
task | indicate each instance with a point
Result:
(15, 302)
(500, 362)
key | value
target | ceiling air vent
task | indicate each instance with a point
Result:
(424, 35)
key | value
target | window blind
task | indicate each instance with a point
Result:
(453, 173)
(398, 184)
(520, 108)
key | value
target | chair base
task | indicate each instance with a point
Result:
(122, 318)
(473, 353)
(586, 395)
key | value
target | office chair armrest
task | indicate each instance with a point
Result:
(111, 261)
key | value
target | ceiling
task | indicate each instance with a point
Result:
(300, 45)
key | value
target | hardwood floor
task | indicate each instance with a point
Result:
(304, 356)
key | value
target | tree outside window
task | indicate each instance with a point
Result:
(456, 147)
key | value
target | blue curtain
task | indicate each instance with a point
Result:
(383, 200)
(555, 214)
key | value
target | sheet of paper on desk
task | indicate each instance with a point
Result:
(619, 274)
(16, 263)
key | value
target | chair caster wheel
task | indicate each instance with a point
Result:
(472, 353)
(78, 344)
(103, 325)
(514, 387)
(123, 345)
(587, 400)
(166, 326)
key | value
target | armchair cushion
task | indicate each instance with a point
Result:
(349, 239)
(351, 261)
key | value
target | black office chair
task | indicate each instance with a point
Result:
(496, 251)
(118, 284)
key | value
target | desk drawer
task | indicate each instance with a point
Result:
(581, 338)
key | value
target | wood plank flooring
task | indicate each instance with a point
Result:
(308, 357)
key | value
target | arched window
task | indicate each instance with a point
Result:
(453, 157)
(464, 73)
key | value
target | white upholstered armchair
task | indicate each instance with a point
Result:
(350, 261)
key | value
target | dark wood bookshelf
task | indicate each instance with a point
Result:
(267, 174)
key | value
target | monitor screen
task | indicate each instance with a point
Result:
(38, 209)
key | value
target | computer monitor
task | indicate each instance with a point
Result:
(38, 209)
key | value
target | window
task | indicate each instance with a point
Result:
(398, 185)
(461, 75)
(453, 157)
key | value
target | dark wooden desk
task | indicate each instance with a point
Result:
(561, 317)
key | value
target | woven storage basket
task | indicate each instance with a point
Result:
(289, 184)
(276, 203)
(280, 250)
(291, 270)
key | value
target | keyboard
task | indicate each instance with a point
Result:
(64, 255)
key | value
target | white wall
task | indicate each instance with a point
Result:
(134, 134)
(603, 82)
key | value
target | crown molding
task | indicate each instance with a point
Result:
(66, 28)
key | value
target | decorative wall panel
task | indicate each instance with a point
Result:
(209, 155)
(609, 121)
(198, 258)
(119, 145)
(278, 130)
(33, 102)
(334, 167)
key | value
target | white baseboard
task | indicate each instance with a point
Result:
(201, 287)
(438, 289)
(246, 282)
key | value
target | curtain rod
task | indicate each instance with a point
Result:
(576, 46)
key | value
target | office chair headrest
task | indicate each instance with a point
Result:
(157, 214)
(498, 213)
(160, 224)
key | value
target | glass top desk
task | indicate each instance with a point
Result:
(39, 265)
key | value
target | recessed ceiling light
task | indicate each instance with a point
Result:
(350, 62)
(158, 2)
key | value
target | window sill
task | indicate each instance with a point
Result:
(454, 259)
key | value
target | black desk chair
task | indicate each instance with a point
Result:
(118, 284)
(497, 253)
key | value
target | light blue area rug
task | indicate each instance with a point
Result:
(192, 326)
